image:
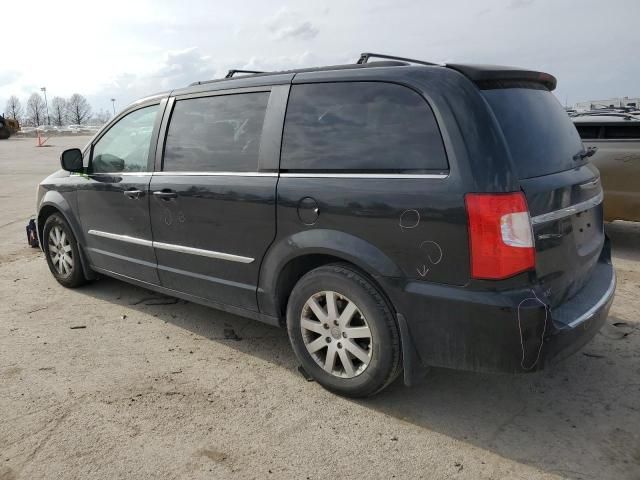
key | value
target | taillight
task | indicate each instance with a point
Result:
(500, 235)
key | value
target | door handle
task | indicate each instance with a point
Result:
(134, 194)
(165, 194)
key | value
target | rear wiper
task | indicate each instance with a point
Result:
(589, 152)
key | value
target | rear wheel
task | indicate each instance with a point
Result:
(343, 331)
(61, 250)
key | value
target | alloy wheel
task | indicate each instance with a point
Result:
(60, 251)
(336, 334)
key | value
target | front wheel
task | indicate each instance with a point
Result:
(61, 249)
(343, 331)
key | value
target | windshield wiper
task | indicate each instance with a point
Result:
(589, 152)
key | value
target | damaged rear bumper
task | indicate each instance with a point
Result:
(511, 331)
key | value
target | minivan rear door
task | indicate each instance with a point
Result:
(213, 194)
(563, 189)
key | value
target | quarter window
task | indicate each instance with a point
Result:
(622, 132)
(360, 126)
(588, 132)
(125, 146)
(220, 133)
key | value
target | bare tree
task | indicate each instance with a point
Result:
(78, 109)
(59, 111)
(36, 109)
(14, 108)
(102, 117)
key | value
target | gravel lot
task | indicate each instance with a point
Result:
(150, 387)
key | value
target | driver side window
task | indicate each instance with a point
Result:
(125, 147)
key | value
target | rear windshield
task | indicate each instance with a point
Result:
(540, 135)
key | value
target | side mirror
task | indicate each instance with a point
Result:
(71, 160)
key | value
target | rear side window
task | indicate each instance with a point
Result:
(540, 135)
(588, 132)
(360, 126)
(622, 132)
(220, 133)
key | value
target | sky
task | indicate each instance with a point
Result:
(129, 49)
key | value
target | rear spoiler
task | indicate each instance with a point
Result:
(497, 76)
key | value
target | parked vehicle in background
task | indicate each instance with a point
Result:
(616, 136)
(8, 127)
(391, 215)
(46, 128)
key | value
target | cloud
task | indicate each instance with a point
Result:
(513, 4)
(288, 24)
(278, 63)
(304, 31)
(8, 77)
(183, 67)
(178, 69)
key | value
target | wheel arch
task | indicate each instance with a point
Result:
(292, 257)
(52, 203)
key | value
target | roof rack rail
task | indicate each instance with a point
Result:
(364, 58)
(232, 72)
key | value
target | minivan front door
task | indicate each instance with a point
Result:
(114, 201)
(213, 204)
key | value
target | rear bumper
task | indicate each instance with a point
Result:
(512, 331)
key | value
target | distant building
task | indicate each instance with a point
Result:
(609, 103)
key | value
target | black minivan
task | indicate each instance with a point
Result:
(392, 215)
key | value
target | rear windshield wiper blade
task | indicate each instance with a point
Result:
(585, 153)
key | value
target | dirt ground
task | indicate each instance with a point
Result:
(151, 387)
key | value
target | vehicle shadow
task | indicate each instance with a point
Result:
(578, 419)
(625, 239)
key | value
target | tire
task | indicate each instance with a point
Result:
(316, 330)
(57, 236)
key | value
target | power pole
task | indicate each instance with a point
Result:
(46, 104)
(113, 102)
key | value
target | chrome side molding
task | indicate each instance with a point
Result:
(364, 175)
(566, 212)
(122, 238)
(203, 253)
(215, 174)
(172, 247)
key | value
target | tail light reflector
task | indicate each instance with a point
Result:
(500, 235)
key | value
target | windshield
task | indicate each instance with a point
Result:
(540, 135)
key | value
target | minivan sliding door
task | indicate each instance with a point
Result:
(213, 202)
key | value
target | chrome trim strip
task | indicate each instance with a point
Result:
(122, 174)
(216, 174)
(123, 257)
(122, 238)
(172, 247)
(275, 174)
(203, 253)
(365, 175)
(594, 309)
(217, 280)
(565, 212)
